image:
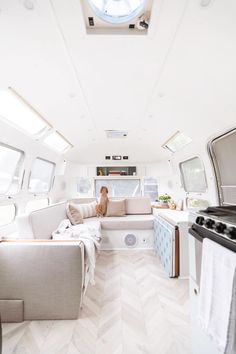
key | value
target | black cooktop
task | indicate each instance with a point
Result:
(226, 213)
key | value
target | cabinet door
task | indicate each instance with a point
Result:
(164, 244)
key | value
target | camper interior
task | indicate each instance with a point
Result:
(117, 176)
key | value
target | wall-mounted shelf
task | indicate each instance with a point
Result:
(114, 171)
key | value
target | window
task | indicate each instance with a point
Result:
(41, 176)
(177, 142)
(222, 151)
(11, 163)
(119, 187)
(150, 188)
(36, 204)
(7, 214)
(193, 175)
(57, 142)
(84, 187)
(117, 11)
(17, 112)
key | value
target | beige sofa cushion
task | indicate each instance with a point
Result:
(138, 205)
(115, 208)
(74, 215)
(128, 222)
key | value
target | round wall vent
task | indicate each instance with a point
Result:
(130, 240)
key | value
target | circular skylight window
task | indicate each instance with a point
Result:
(117, 11)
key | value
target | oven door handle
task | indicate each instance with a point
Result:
(195, 234)
(199, 233)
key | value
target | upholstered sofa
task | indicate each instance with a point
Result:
(138, 222)
(44, 279)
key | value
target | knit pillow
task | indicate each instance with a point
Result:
(87, 210)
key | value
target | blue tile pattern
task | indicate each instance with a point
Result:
(164, 238)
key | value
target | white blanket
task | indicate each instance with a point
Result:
(88, 234)
(218, 295)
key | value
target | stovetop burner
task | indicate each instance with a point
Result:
(225, 213)
(217, 223)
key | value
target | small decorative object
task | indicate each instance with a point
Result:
(100, 173)
(164, 198)
(179, 205)
(172, 205)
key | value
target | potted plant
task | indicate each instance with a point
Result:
(164, 199)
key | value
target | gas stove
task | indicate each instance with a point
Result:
(220, 220)
(216, 223)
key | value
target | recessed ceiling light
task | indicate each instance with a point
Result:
(205, 3)
(29, 4)
(72, 95)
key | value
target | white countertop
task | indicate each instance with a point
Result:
(174, 216)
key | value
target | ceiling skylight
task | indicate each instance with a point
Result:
(177, 142)
(57, 142)
(117, 11)
(14, 110)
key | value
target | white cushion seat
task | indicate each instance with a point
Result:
(127, 222)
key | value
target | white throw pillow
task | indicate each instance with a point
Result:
(87, 210)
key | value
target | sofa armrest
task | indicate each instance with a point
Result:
(47, 276)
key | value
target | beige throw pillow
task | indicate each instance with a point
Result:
(74, 215)
(116, 208)
(87, 210)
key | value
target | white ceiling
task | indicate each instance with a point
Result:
(181, 76)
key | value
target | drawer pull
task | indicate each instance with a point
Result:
(195, 291)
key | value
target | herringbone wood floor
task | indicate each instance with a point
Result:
(133, 308)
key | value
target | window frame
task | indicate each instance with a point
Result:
(214, 163)
(51, 179)
(182, 175)
(136, 178)
(19, 166)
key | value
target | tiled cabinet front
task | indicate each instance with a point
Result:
(164, 244)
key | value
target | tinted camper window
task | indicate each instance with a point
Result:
(11, 163)
(41, 176)
(193, 175)
(150, 188)
(84, 187)
(119, 187)
(222, 151)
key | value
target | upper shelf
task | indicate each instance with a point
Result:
(114, 171)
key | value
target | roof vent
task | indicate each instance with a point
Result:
(116, 134)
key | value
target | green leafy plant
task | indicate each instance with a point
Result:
(164, 198)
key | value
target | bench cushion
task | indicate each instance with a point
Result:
(138, 205)
(128, 222)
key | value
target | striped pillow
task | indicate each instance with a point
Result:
(87, 210)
